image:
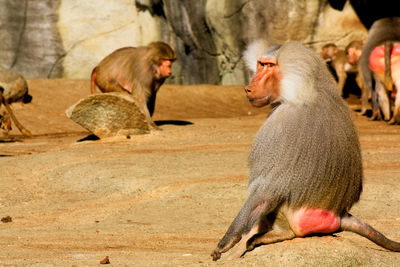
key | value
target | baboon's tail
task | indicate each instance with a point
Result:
(355, 225)
(388, 66)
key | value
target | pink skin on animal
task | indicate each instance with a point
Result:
(377, 62)
(165, 68)
(314, 220)
(264, 87)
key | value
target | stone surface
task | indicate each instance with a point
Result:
(91, 30)
(67, 38)
(30, 42)
(166, 198)
(108, 115)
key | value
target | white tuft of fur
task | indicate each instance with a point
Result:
(300, 68)
(253, 52)
(298, 89)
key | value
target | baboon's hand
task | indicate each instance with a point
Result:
(216, 255)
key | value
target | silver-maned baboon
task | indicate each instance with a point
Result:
(305, 162)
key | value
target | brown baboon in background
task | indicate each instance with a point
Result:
(382, 33)
(13, 88)
(353, 53)
(343, 65)
(138, 71)
(336, 59)
(305, 163)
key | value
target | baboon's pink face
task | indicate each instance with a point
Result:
(353, 55)
(165, 68)
(264, 87)
(328, 53)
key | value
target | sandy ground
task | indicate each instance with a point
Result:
(166, 198)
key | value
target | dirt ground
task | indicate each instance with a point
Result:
(166, 198)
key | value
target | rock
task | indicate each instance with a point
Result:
(209, 36)
(31, 44)
(92, 30)
(6, 219)
(106, 260)
(194, 44)
(109, 114)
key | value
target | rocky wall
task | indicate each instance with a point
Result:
(67, 38)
